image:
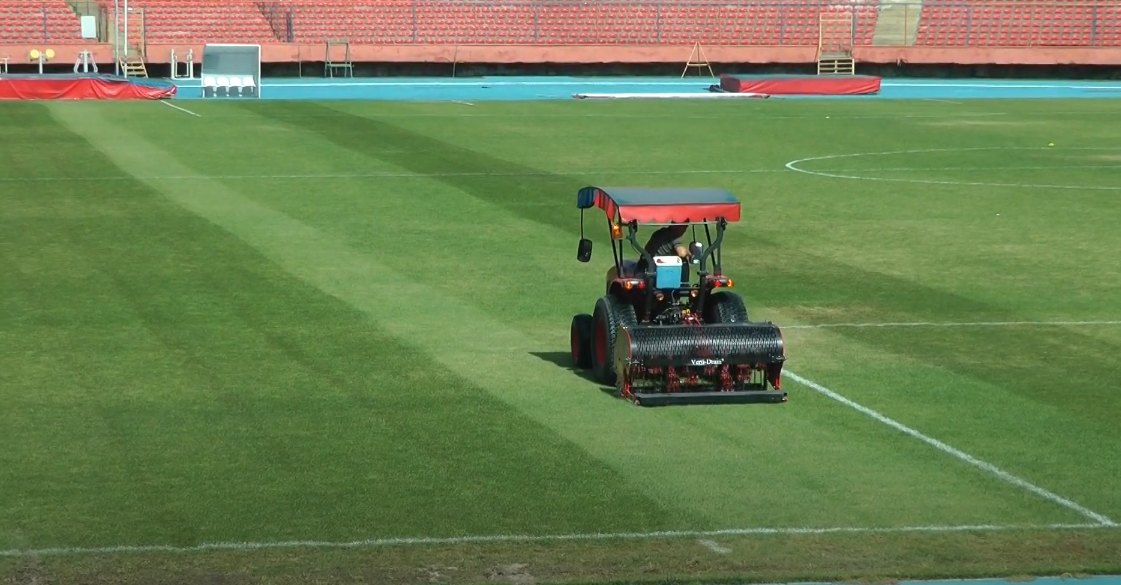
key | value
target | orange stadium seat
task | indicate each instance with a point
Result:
(683, 22)
(29, 22)
(735, 22)
(1065, 23)
(198, 21)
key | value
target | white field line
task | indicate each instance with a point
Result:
(715, 547)
(512, 538)
(388, 174)
(963, 456)
(1016, 168)
(965, 183)
(956, 324)
(399, 174)
(185, 110)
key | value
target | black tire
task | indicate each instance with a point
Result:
(609, 314)
(581, 334)
(725, 307)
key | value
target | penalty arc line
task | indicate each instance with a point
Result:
(793, 165)
(514, 538)
(963, 456)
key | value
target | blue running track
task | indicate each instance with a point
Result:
(554, 88)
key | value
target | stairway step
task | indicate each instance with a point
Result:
(897, 22)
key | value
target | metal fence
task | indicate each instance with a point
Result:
(712, 22)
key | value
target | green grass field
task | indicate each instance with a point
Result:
(342, 322)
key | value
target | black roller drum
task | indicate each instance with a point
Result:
(734, 362)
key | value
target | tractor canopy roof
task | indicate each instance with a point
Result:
(672, 205)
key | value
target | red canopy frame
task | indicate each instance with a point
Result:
(648, 205)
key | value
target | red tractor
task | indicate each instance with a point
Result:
(661, 335)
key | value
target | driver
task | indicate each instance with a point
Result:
(667, 241)
(663, 242)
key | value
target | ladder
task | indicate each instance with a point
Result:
(836, 66)
(134, 68)
(132, 63)
(347, 64)
(834, 45)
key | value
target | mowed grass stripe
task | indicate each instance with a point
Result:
(957, 453)
(199, 393)
(1090, 273)
(732, 477)
(1039, 401)
(998, 418)
(835, 558)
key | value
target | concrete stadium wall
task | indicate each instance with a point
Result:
(595, 54)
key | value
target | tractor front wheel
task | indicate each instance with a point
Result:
(582, 341)
(609, 314)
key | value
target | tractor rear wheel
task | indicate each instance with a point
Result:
(582, 341)
(609, 314)
(725, 307)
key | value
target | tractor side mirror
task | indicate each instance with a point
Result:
(695, 250)
(584, 253)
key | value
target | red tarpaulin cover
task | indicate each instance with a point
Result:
(80, 88)
(809, 85)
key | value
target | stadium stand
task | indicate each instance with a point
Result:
(183, 21)
(731, 22)
(30, 22)
(888, 32)
(935, 23)
(1024, 24)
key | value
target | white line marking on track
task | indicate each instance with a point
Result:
(643, 83)
(460, 113)
(957, 324)
(941, 101)
(793, 165)
(988, 467)
(171, 105)
(1003, 85)
(512, 538)
(715, 547)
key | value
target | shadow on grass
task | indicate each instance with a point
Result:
(562, 359)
